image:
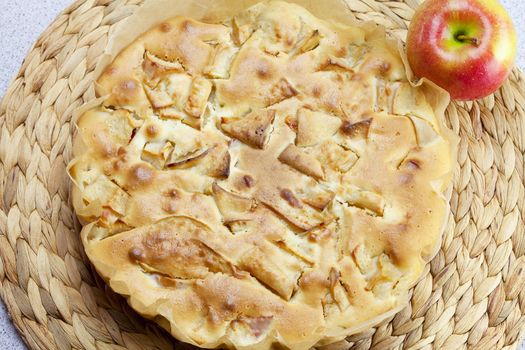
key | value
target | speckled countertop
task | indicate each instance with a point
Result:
(21, 22)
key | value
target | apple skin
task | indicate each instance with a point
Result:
(468, 47)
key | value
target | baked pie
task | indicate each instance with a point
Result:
(272, 179)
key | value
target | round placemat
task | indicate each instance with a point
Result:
(470, 297)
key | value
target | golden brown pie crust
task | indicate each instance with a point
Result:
(272, 179)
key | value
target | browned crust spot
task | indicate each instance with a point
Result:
(288, 196)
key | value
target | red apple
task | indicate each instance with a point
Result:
(467, 47)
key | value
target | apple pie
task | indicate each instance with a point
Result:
(273, 179)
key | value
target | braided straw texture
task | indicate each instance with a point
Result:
(470, 297)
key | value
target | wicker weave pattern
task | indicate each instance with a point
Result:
(471, 295)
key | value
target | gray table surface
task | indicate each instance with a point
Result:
(21, 22)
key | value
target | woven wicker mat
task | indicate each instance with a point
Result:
(472, 293)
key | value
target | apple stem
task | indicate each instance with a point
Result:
(467, 39)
